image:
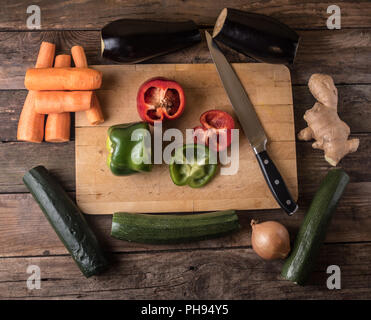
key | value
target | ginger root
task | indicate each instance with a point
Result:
(324, 125)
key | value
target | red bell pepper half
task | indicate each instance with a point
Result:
(215, 130)
(159, 99)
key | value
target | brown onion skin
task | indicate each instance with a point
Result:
(270, 240)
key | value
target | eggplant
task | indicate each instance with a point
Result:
(257, 36)
(132, 41)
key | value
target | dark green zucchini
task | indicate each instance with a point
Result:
(132, 41)
(67, 221)
(170, 228)
(301, 261)
(258, 36)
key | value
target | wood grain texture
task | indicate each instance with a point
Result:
(354, 102)
(269, 89)
(17, 157)
(345, 54)
(351, 223)
(226, 270)
(341, 54)
(198, 274)
(353, 106)
(67, 14)
(11, 103)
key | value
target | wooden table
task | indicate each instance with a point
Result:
(226, 268)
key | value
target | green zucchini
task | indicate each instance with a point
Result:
(67, 221)
(170, 228)
(300, 263)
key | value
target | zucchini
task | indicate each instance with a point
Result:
(67, 221)
(170, 228)
(300, 263)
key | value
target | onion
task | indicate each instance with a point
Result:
(270, 240)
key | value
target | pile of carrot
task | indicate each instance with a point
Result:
(57, 92)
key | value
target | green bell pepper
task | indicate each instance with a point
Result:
(191, 166)
(128, 150)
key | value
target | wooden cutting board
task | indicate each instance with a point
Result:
(269, 88)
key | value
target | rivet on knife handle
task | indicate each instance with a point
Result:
(276, 183)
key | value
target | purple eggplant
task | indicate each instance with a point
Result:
(132, 41)
(255, 35)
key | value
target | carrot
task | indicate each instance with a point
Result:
(63, 79)
(94, 114)
(47, 102)
(62, 60)
(58, 125)
(46, 55)
(31, 123)
(79, 57)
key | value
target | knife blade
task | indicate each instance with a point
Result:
(251, 126)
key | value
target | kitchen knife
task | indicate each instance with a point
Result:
(251, 126)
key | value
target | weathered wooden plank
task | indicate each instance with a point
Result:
(199, 274)
(11, 103)
(17, 157)
(24, 231)
(67, 14)
(341, 53)
(20, 51)
(312, 167)
(353, 107)
(186, 274)
(354, 102)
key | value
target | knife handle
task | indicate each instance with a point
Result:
(276, 183)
